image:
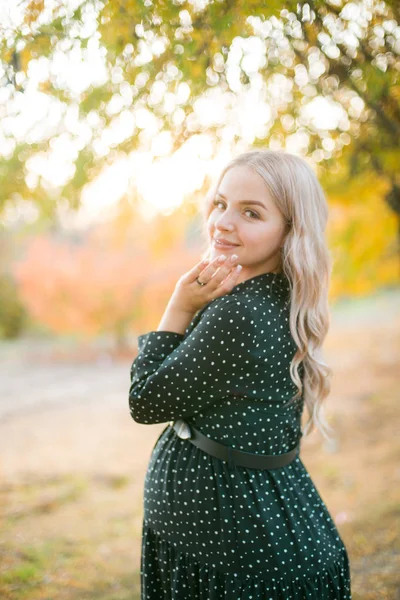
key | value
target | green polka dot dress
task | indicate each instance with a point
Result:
(211, 532)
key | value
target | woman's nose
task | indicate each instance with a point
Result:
(224, 221)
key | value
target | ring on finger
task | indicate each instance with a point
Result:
(201, 282)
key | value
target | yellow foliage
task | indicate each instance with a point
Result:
(197, 70)
(33, 10)
(362, 236)
(25, 57)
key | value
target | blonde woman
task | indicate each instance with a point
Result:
(230, 511)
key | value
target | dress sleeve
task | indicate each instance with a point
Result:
(175, 376)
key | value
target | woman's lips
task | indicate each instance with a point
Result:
(224, 245)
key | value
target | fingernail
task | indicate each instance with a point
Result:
(221, 257)
(239, 268)
(234, 257)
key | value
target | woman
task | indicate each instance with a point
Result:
(234, 360)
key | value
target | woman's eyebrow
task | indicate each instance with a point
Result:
(245, 201)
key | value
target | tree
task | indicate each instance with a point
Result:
(156, 60)
(101, 284)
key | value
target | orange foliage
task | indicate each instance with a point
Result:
(102, 285)
(85, 289)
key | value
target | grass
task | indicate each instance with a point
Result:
(57, 545)
(373, 544)
(35, 498)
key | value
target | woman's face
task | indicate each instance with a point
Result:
(244, 214)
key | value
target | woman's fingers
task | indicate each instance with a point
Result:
(206, 268)
(218, 274)
(189, 297)
(221, 276)
(193, 273)
(230, 280)
(225, 268)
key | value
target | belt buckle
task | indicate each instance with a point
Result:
(182, 429)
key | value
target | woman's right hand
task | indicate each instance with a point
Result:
(220, 276)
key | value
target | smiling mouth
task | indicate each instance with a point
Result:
(222, 243)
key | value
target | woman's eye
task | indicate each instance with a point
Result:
(216, 202)
(255, 215)
(252, 212)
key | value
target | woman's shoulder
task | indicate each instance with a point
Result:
(224, 305)
(223, 311)
(252, 301)
(229, 302)
(249, 303)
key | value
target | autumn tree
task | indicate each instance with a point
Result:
(96, 284)
(113, 73)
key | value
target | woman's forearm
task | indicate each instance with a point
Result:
(174, 320)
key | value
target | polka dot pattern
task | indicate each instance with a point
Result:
(213, 532)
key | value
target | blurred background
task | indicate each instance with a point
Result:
(115, 118)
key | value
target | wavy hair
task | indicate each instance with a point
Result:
(305, 261)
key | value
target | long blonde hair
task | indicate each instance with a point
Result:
(305, 260)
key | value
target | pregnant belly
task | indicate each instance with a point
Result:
(252, 516)
(187, 498)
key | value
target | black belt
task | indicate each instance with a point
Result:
(231, 455)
